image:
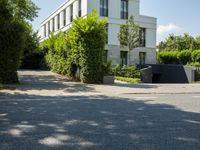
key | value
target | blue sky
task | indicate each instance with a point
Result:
(174, 16)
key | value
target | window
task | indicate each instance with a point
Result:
(142, 37)
(79, 8)
(105, 55)
(124, 9)
(49, 31)
(45, 31)
(71, 13)
(104, 8)
(58, 21)
(53, 21)
(142, 56)
(107, 26)
(64, 17)
(123, 58)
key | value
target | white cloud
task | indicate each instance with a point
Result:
(169, 28)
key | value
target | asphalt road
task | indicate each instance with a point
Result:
(39, 120)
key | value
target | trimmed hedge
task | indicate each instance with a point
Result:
(80, 49)
(12, 35)
(196, 56)
(126, 71)
(168, 57)
(179, 57)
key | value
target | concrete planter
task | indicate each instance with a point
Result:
(108, 80)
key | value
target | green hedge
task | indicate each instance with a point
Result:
(126, 71)
(196, 56)
(179, 57)
(13, 38)
(81, 48)
(168, 57)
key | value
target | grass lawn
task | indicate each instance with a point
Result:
(129, 80)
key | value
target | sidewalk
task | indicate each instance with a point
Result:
(126, 88)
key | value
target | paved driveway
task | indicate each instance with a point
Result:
(46, 112)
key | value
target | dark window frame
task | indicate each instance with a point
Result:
(123, 58)
(45, 30)
(104, 8)
(142, 58)
(79, 8)
(53, 24)
(71, 13)
(58, 21)
(64, 17)
(142, 37)
(124, 9)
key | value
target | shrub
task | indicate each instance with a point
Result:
(80, 48)
(184, 56)
(13, 39)
(196, 56)
(168, 57)
(126, 71)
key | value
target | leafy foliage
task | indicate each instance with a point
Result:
(178, 43)
(33, 57)
(184, 56)
(168, 57)
(179, 57)
(13, 27)
(126, 71)
(81, 48)
(196, 56)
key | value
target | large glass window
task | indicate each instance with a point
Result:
(71, 13)
(49, 31)
(64, 17)
(123, 58)
(45, 31)
(142, 57)
(107, 26)
(79, 8)
(53, 21)
(58, 21)
(104, 8)
(142, 37)
(124, 9)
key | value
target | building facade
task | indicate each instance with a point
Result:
(117, 11)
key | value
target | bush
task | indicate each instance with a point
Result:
(168, 57)
(197, 75)
(184, 57)
(126, 71)
(80, 48)
(196, 56)
(12, 35)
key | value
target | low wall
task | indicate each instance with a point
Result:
(170, 74)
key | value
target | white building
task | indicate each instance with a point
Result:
(117, 12)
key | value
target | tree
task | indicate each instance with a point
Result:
(14, 17)
(129, 36)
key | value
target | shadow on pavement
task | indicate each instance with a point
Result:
(94, 123)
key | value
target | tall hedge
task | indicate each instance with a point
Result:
(196, 56)
(80, 48)
(12, 41)
(168, 57)
(179, 57)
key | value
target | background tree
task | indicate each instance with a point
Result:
(179, 43)
(129, 36)
(14, 17)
